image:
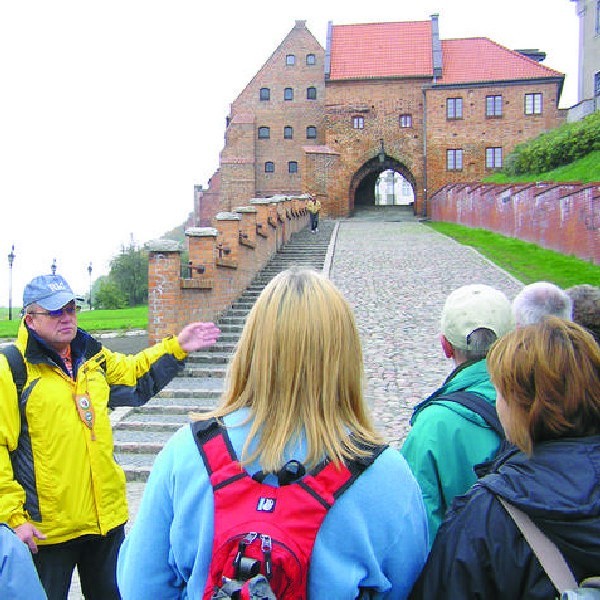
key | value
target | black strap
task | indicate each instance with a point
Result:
(478, 405)
(17, 366)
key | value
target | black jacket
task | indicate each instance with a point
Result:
(480, 553)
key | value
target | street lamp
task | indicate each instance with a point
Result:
(11, 258)
(89, 270)
(53, 267)
(381, 153)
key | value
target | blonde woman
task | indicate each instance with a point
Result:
(547, 378)
(294, 392)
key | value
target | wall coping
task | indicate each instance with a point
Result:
(202, 232)
(164, 245)
(228, 216)
(245, 209)
(262, 201)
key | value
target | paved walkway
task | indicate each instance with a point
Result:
(396, 274)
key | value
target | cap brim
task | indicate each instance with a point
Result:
(56, 301)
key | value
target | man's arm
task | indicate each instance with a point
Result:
(134, 379)
(12, 495)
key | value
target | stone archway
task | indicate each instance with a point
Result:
(363, 182)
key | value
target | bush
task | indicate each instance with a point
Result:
(555, 148)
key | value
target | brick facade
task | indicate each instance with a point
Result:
(341, 163)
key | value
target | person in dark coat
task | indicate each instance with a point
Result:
(547, 378)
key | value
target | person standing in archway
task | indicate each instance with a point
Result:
(314, 208)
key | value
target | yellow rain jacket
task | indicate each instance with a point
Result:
(56, 471)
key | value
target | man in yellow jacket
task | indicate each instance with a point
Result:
(314, 207)
(60, 488)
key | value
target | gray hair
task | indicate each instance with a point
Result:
(586, 307)
(540, 299)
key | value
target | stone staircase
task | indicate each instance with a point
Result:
(141, 433)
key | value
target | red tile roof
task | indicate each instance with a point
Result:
(381, 50)
(480, 59)
(376, 50)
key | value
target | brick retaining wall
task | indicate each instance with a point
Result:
(223, 260)
(561, 217)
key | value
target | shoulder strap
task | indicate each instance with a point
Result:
(548, 554)
(325, 482)
(478, 405)
(17, 366)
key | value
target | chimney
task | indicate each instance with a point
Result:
(436, 47)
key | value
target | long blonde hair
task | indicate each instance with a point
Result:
(298, 367)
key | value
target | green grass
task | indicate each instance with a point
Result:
(525, 261)
(585, 169)
(91, 320)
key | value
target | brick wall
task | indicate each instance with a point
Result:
(223, 260)
(565, 218)
(475, 132)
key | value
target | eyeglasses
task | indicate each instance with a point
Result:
(59, 312)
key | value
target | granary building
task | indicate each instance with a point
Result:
(386, 113)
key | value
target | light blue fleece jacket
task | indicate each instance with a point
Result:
(374, 536)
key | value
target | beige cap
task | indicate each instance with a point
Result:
(474, 307)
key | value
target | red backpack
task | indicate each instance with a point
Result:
(262, 531)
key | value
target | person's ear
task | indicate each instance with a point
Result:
(446, 346)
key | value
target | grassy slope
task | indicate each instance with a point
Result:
(525, 261)
(585, 169)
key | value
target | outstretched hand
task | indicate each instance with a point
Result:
(27, 533)
(196, 336)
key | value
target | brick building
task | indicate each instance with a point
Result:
(380, 97)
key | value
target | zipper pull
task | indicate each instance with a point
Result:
(266, 547)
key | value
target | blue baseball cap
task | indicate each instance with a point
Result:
(49, 291)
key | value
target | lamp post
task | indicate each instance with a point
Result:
(381, 153)
(11, 258)
(53, 267)
(89, 270)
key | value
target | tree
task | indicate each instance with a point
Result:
(129, 273)
(107, 295)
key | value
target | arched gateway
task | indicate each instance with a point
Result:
(378, 182)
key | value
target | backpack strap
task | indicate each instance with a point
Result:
(326, 482)
(478, 405)
(548, 554)
(17, 366)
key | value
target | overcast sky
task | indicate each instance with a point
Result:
(111, 111)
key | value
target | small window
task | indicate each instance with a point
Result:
(493, 158)
(264, 133)
(454, 108)
(493, 106)
(533, 104)
(311, 59)
(358, 122)
(598, 17)
(290, 60)
(311, 93)
(269, 167)
(405, 121)
(311, 132)
(288, 94)
(293, 166)
(597, 84)
(288, 132)
(454, 159)
(265, 94)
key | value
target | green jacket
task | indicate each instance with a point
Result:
(447, 440)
